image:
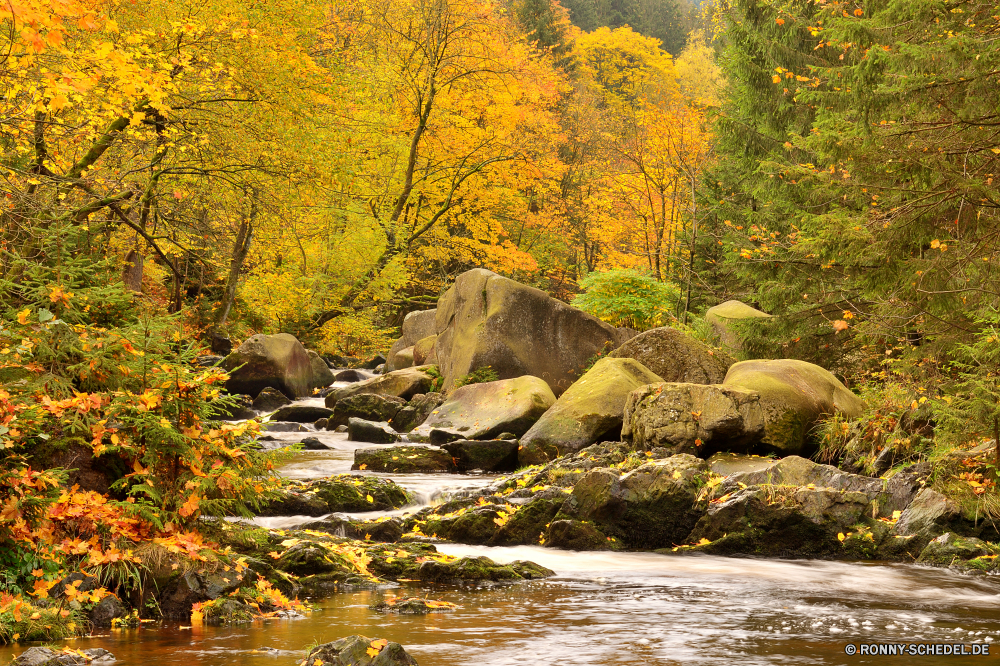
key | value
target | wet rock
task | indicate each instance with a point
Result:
(485, 320)
(350, 376)
(416, 326)
(385, 530)
(528, 525)
(321, 374)
(467, 569)
(404, 459)
(313, 444)
(676, 357)
(295, 503)
(340, 428)
(483, 411)
(354, 651)
(781, 521)
(793, 396)
(311, 558)
(183, 591)
(416, 411)
(495, 455)
(367, 406)
(401, 383)
(287, 427)
(724, 320)
(321, 424)
(969, 553)
(589, 410)
(42, 656)
(270, 399)
(894, 494)
(653, 506)
(351, 492)
(412, 606)
(360, 430)
(277, 361)
(301, 413)
(575, 535)
(104, 611)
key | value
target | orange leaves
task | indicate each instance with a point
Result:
(375, 647)
(56, 293)
(840, 325)
(190, 505)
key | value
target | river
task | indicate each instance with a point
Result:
(604, 608)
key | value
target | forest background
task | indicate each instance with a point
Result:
(174, 169)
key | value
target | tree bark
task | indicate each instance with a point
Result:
(240, 252)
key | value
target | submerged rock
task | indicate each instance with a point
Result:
(357, 651)
(43, 656)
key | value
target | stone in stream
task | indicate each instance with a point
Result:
(485, 320)
(301, 413)
(403, 459)
(495, 455)
(416, 411)
(412, 606)
(321, 374)
(929, 514)
(968, 553)
(286, 427)
(277, 361)
(483, 411)
(575, 535)
(653, 506)
(360, 430)
(385, 530)
(313, 444)
(350, 376)
(269, 400)
(356, 651)
(43, 656)
(343, 492)
(401, 383)
(416, 326)
(676, 357)
(367, 406)
(480, 569)
(589, 410)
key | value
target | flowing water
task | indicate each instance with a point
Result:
(606, 608)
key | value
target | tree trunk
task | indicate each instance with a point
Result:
(132, 275)
(240, 252)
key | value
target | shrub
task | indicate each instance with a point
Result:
(628, 298)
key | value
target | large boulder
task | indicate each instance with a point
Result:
(722, 318)
(485, 320)
(416, 326)
(401, 383)
(590, 409)
(483, 411)
(374, 432)
(277, 361)
(794, 396)
(676, 356)
(322, 376)
(693, 418)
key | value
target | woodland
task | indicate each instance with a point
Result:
(179, 173)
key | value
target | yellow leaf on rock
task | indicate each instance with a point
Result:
(840, 536)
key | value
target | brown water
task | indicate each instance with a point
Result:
(607, 609)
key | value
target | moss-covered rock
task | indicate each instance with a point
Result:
(676, 357)
(402, 459)
(590, 409)
(416, 411)
(967, 553)
(724, 319)
(492, 455)
(357, 651)
(793, 396)
(423, 350)
(570, 534)
(484, 411)
(360, 430)
(467, 569)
